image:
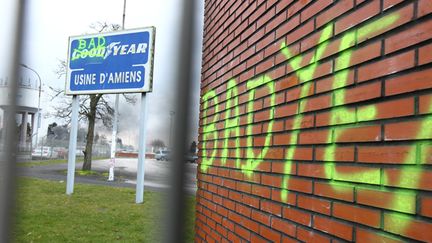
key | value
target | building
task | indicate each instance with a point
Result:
(316, 121)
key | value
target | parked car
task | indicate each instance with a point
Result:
(162, 155)
(44, 153)
(193, 158)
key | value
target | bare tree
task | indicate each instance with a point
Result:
(92, 107)
(158, 144)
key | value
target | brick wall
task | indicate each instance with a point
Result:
(316, 121)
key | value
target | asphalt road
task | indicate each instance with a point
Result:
(155, 179)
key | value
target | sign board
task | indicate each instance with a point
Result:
(114, 62)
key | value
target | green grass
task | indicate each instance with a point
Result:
(52, 162)
(92, 214)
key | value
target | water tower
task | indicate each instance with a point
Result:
(27, 108)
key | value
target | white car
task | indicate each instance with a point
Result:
(162, 155)
(44, 153)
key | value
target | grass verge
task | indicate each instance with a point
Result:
(93, 214)
(52, 162)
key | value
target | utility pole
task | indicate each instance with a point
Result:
(116, 107)
(172, 113)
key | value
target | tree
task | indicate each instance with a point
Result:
(92, 107)
(158, 144)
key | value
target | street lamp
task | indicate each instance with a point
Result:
(38, 109)
(172, 113)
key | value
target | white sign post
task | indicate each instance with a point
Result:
(72, 146)
(110, 63)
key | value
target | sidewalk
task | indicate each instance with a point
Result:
(156, 174)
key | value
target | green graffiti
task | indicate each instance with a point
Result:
(253, 159)
(232, 123)
(92, 47)
(209, 130)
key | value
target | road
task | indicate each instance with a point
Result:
(155, 179)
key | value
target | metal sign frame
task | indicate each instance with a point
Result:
(147, 87)
(104, 67)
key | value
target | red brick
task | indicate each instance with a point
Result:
(288, 82)
(274, 153)
(250, 201)
(297, 122)
(233, 238)
(275, 22)
(299, 185)
(335, 46)
(297, 216)
(314, 204)
(387, 200)
(284, 196)
(283, 226)
(367, 236)
(283, 139)
(282, 5)
(242, 232)
(315, 8)
(361, 215)
(287, 26)
(264, 66)
(358, 56)
(336, 116)
(357, 17)
(261, 191)
(257, 238)
(300, 32)
(261, 217)
(336, 10)
(390, 3)
(251, 225)
(390, 109)
(262, 20)
(286, 110)
(334, 154)
(316, 103)
(410, 82)
(313, 40)
(426, 206)
(333, 82)
(322, 136)
(425, 54)
(425, 104)
(313, 170)
(334, 190)
(424, 7)
(414, 229)
(358, 134)
(407, 130)
(412, 36)
(307, 235)
(282, 168)
(387, 154)
(426, 154)
(296, 7)
(333, 227)
(271, 207)
(411, 178)
(399, 18)
(386, 67)
(272, 180)
(243, 210)
(270, 234)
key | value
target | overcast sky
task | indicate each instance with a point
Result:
(49, 23)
